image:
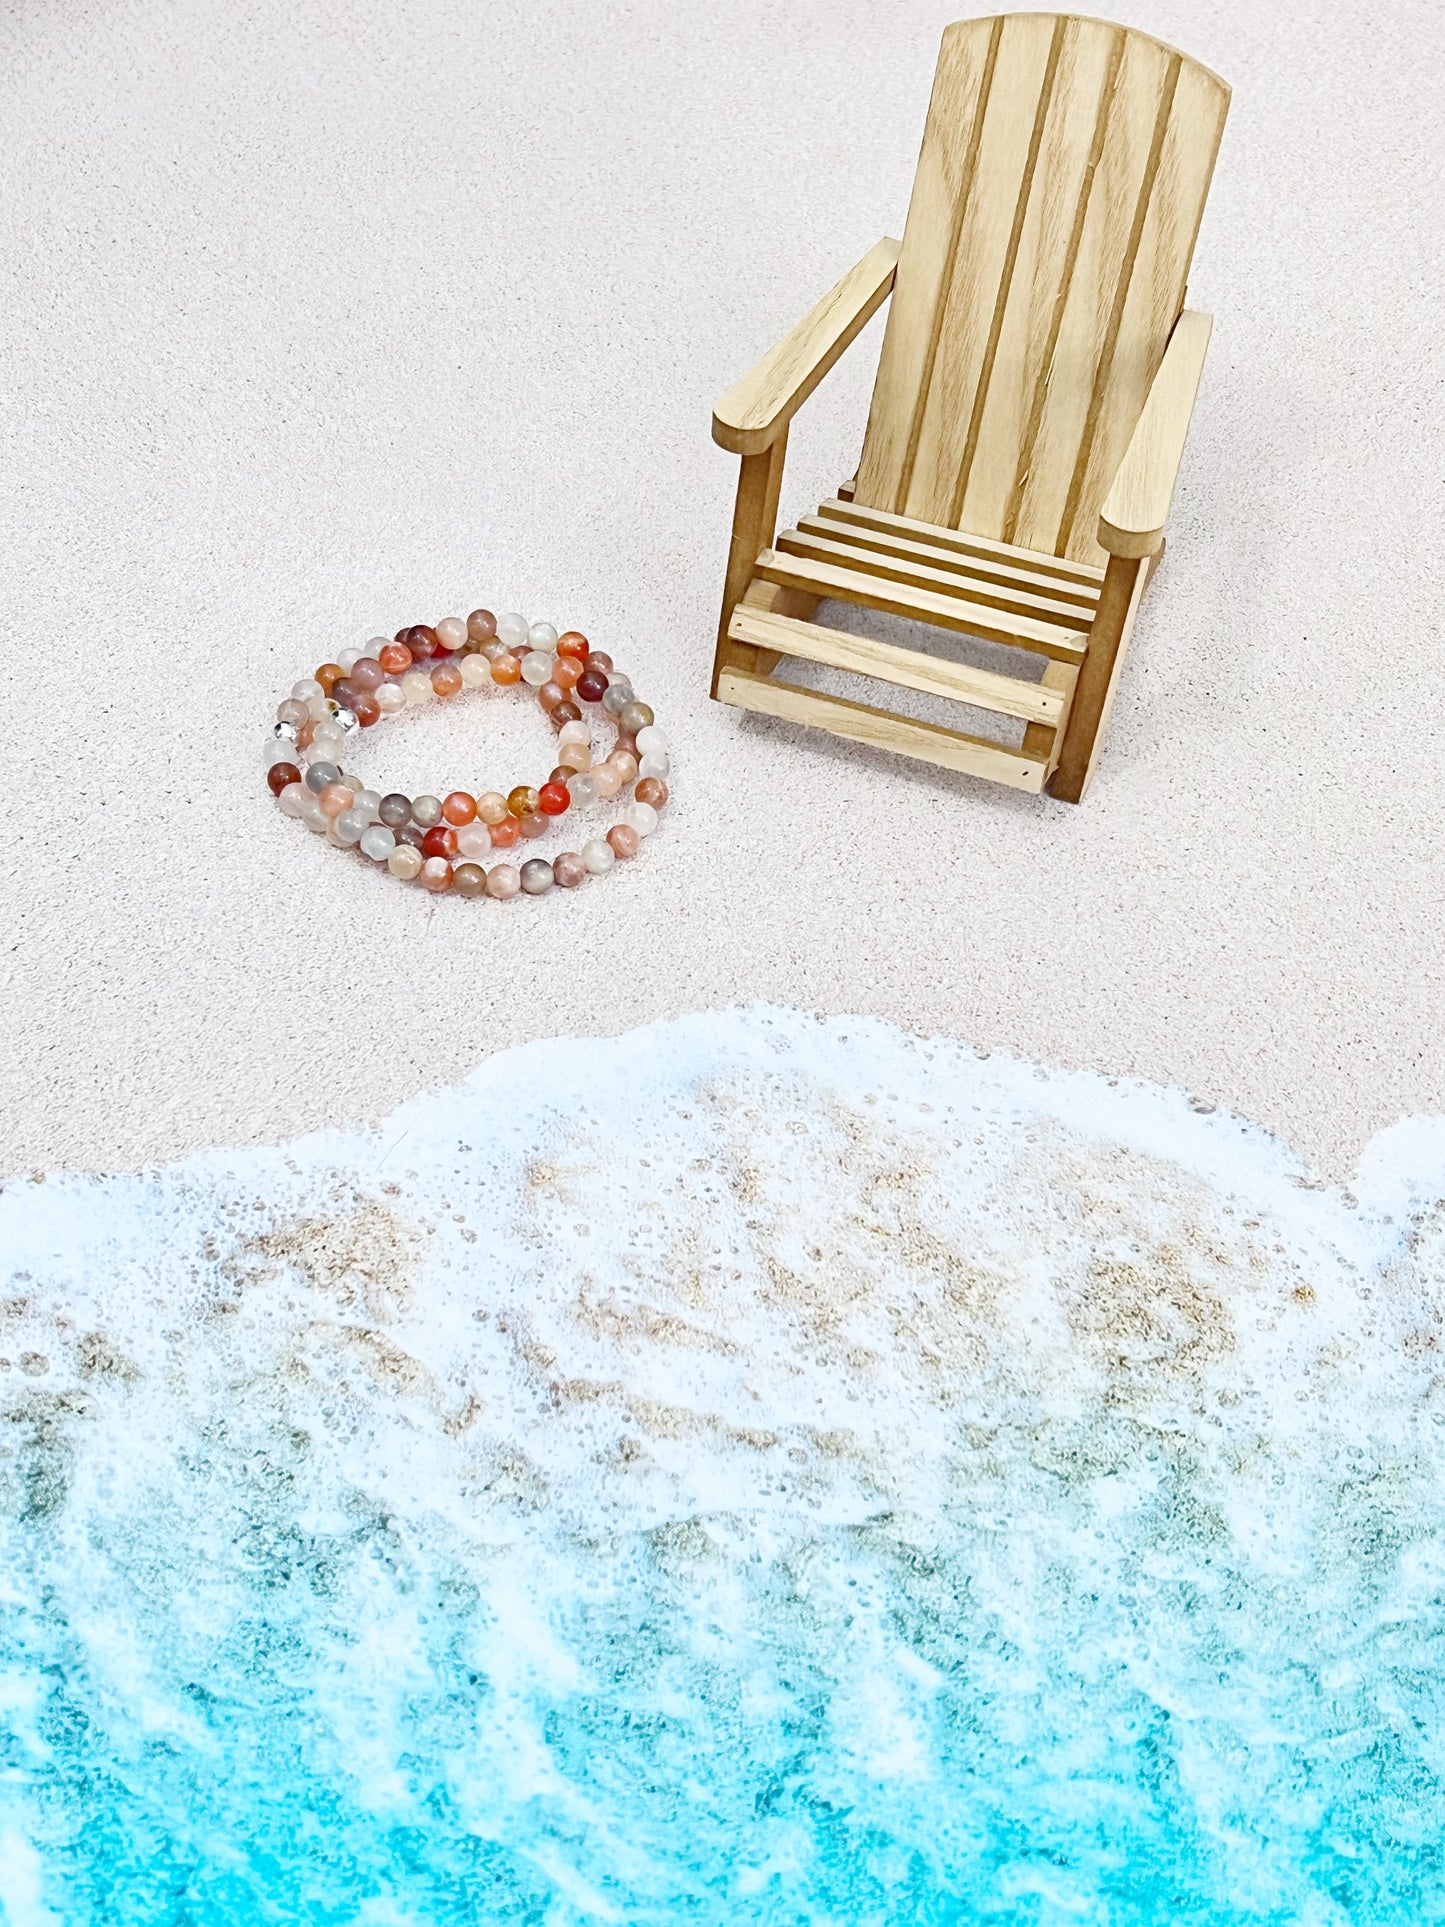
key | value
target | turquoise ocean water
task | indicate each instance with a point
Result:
(752, 1470)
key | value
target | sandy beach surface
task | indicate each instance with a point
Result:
(319, 319)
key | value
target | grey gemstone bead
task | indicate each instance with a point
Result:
(427, 811)
(320, 774)
(537, 877)
(394, 810)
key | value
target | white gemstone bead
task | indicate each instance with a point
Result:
(642, 817)
(293, 799)
(349, 658)
(599, 856)
(322, 708)
(451, 631)
(378, 842)
(352, 825)
(472, 838)
(316, 818)
(582, 788)
(653, 738)
(329, 732)
(304, 690)
(542, 635)
(389, 697)
(654, 765)
(512, 629)
(475, 671)
(574, 733)
(370, 801)
(404, 861)
(374, 647)
(536, 669)
(280, 752)
(416, 687)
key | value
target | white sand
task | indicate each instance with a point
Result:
(318, 319)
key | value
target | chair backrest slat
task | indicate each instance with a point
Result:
(1063, 175)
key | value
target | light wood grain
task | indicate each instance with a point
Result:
(863, 724)
(758, 408)
(923, 567)
(907, 668)
(1136, 508)
(1062, 575)
(827, 579)
(1098, 681)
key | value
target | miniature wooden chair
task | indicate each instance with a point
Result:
(1034, 390)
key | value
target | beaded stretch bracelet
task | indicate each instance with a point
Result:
(419, 838)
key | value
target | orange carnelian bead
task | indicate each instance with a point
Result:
(503, 834)
(460, 808)
(395, 658)
(366, 709)
(328, 675)
(552, 799)
(439, 842)
(522, 801)
(573, 644)
(565, 672)
(506, 670)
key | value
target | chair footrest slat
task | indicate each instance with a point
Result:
(827, 579)
(949, 748)
(923, 568)
(905, 668)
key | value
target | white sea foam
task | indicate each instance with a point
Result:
(752, 1469)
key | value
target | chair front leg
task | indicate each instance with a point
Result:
(755, 522)
(1124, 581)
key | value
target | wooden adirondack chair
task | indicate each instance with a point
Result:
(1034, 390)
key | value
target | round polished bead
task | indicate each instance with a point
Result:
(566, 671)
(421, 641)
(566, 713)
(552, 799)
(512, 629)
(597, 660)
(634, 717)
(328, 730)
(474, 840)
(316, 819)
(351, 826)
(624, 840)
(568, 870)
(470, 879)
(536, 668)
(491, 806)
(328, 675)
(506, 670)
(306, 690)
(404, 862)
(426, 810)
(349, 656)
(651, 789)
(481, 625)
(281, 776)
(390, 698)
(416, 687)
(377, 842)
(522, 800)
(320, 775)
(624, 763)
(441, 841)
(534, 824)
(446, 679)
(578, 732)
(575, 756)
(619, 695)
(573, 644)
(650, 738)
(320, 707)
(476, 671)
(642, 817)
(599, 856)
(280, 751)
(504, 881)
(503, 834)
(395, 658)
(653, 764)
(370, 801)
(451, 632)
(436, 874)
(336, 797)
(583, 789)
(412, 833)
(608, 780)
(292, 712)
(537, 878)
(367, 674)
(304, 734)
(550, 694)
(496, 647)
(394, 809)
(591, 686)
(295, 800)
(460, 807)
(367, 710)
(560, 774)
(542, 635)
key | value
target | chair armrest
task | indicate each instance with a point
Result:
(757, 409)
(1131, 522)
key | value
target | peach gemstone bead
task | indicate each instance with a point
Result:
(568, 869)
(565, 671)
(451, 632)
(575, 756)
(625, 763)
(416, 687)
(504, 834)
(395, 659)
(506, 670)
(459, 808)
(534, 824)
(404, 862)
(504, 881)
(335, 798)
(481, 625)
(624, 840)
(492, 807)
(475, 671)
(474, 841)
(550, 694)
(447, 680)
(436, 872)
(608, 781)
(575, 733)
(652, 790)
